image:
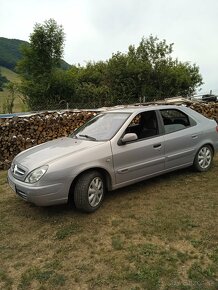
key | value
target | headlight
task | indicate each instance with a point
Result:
(36, 174)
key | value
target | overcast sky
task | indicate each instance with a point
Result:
(96, 28)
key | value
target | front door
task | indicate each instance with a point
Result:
(143, 157)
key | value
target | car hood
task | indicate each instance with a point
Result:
(48, 152)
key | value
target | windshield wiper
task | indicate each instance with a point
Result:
(88, 137)
(73, 136)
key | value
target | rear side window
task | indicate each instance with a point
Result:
(174, 120)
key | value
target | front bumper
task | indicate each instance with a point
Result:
(39, 195)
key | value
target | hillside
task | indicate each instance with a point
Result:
(9, 74)
(12, 77)
(10, 53)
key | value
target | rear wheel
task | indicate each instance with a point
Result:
(89, 191)
(203, 158)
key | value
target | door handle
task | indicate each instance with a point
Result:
(157, 145)
(194, 136)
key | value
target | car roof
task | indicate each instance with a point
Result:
(138, 109)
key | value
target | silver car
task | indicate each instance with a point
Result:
(114, 149)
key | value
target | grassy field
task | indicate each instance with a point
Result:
(158, 234)
(12, 77)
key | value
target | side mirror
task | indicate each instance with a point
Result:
(129, 137)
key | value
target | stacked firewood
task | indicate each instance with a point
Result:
(20, 133)
(209, 110)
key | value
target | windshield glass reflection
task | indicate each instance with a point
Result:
(102, 127)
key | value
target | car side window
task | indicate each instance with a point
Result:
(144, 125)
(174, 120)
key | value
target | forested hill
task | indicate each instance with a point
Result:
(10, 53)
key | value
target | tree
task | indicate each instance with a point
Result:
(150, 71)
(13, 90)
(147, 71)
(62, 88)
(91, 88)
(41, 57)
(3, 81)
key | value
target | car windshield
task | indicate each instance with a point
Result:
(102, 127)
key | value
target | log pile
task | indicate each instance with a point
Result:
(20, 133)
(209, 110)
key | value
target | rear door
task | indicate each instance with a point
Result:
(180, 138)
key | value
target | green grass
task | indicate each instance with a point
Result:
(12, 77)
(157, 234)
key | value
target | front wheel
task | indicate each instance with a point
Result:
(203, 158)
(89, 191)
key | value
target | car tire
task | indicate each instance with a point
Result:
(89, 191)
(203, 158)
